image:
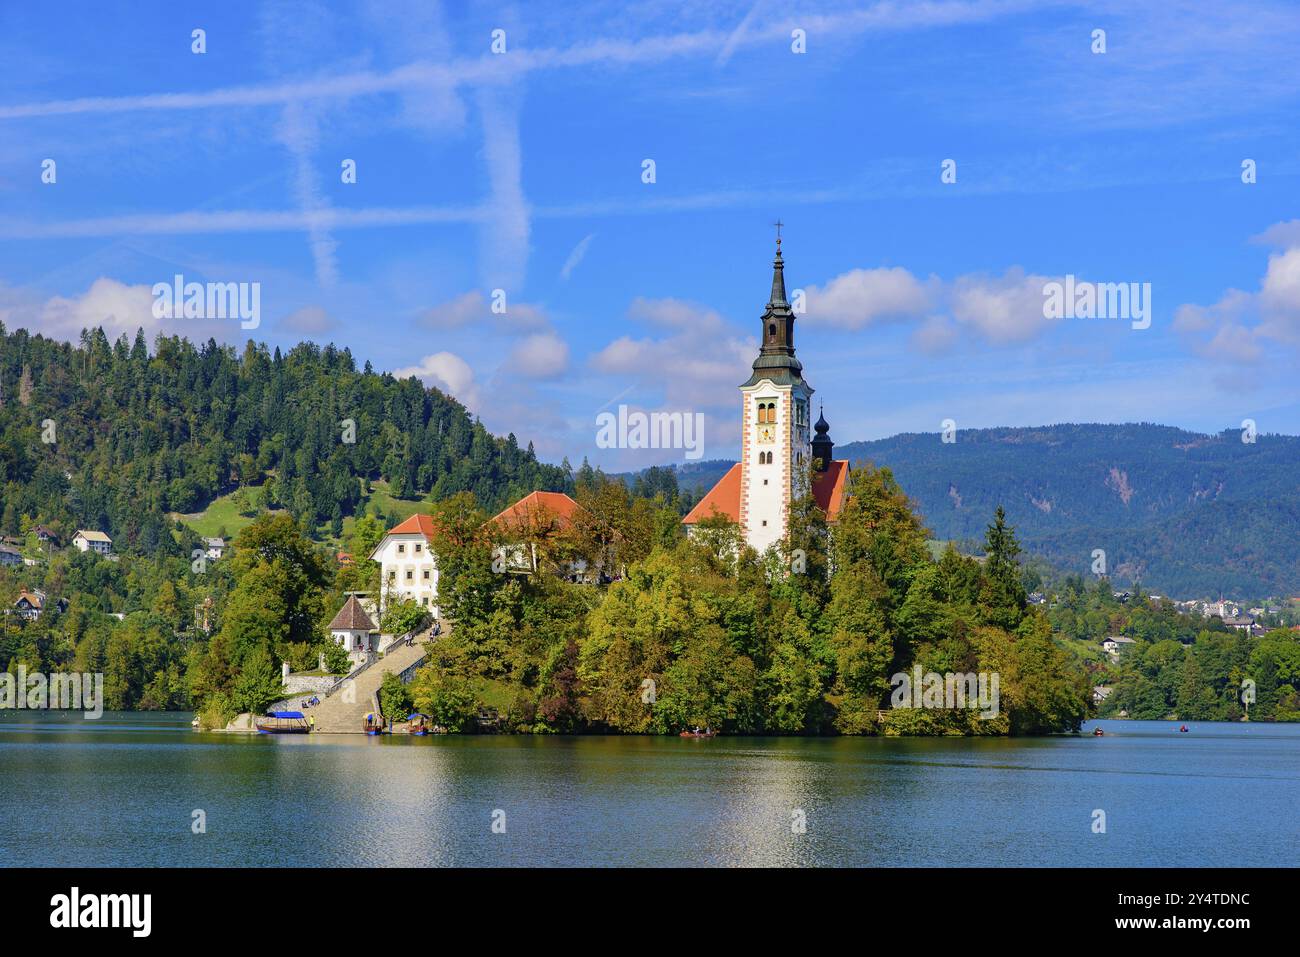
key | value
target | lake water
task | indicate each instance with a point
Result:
(122, 791)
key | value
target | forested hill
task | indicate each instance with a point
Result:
(136, 436)
(1186, 514)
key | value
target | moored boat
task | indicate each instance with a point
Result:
(417, 723)
(283, 722)
(698, 734)
(374, 724)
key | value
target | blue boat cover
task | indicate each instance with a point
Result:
(286, 714)
(415, 714)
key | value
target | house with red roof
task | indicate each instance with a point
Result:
(408, 566)
(520, 531)
(777, 441)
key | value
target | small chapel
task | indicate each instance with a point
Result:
(778, 441)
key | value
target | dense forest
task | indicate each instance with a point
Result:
(107, 436)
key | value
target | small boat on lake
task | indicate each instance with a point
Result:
(417, 723)
(283, 722)
(698, 734)
(1183, 730)
(1097, 732)
(374, 724)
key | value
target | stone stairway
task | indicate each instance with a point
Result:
(344, 711)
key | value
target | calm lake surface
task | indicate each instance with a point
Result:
(121, 791)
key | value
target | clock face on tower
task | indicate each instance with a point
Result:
(767, 434)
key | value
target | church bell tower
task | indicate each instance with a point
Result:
(776, 443)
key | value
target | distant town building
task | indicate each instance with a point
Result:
(1100, 693)
(1114, 644)
(215, 548)
(30, 604)
(10, 555)
(92, 541)
(1244, 623)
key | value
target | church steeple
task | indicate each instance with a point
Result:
(822, 445)
(778, 275)
(776, 359)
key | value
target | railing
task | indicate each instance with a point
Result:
(407, 675)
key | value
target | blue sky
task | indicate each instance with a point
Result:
(522, 171)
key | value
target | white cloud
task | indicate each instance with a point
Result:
(1003, 309)
(472, 308)
(541, 356)
(1242, 325)
(503, 238)
(448, 372)
(575, 257)
(309, 321)
(115, 306)
(697, 365)
(860, 297)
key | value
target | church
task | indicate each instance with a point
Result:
(777, 442)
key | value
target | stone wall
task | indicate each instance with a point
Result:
(308, 685)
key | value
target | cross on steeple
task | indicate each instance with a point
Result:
(778, 224)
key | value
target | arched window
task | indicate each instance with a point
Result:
(771, 330)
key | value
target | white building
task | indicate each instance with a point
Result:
(353, 629)
(776, 438)
(409, 569)
(91, 541)
(1115, 643)
(214, 547)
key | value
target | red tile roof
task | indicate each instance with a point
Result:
(415, 525)
(828, 488)
(535, 507)
(724, 497)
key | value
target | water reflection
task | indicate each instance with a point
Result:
(123, 791)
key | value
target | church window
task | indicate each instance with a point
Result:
(771, 330)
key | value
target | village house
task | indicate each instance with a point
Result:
(517, 530)
(408, 567)
(44, 535)
(30, 604)
(353, 629)
(10, 555)
(1100, 693)
(1114, 644)
(215, 548)
(92, 541)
